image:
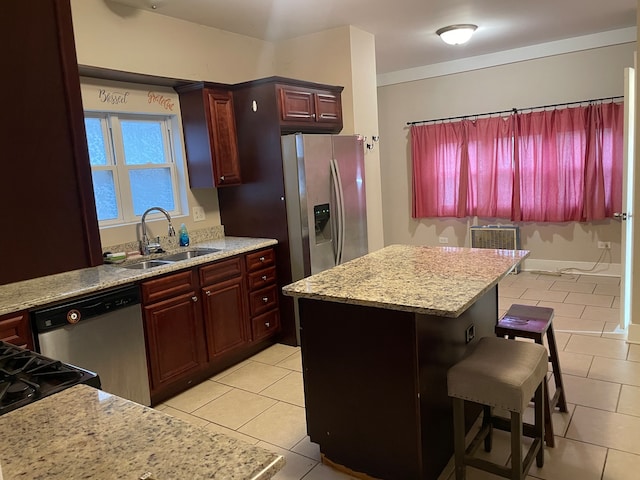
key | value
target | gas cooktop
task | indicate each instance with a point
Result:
(27, 376)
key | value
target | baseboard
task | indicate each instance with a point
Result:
(580, 268)
(633, 333)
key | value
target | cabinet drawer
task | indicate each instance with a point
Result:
(262, 300)
(220, 271)
(169, 286)
(261, 259)
(262, 278)
(265, 324)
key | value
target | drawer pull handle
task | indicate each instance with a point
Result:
(261, 259)
(267, 324)
(265, 299)
(208, 292)
(264, 278)
(194, 298)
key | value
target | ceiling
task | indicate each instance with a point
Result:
(405, 29)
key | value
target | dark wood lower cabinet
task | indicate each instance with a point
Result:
(175, 339)
(199, 321)
(224, 313)
(16, 329)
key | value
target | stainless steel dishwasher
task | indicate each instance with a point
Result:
(102, 333)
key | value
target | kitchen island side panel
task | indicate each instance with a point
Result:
(360, 382)
(441, 343)
(363, 370)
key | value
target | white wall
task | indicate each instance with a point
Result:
(563, 78)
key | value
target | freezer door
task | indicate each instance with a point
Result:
(306, 160)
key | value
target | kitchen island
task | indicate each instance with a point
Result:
(86, 433)
(378, 335)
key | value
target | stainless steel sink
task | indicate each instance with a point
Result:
(187, 254)
(146, 264)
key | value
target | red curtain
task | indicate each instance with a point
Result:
(440, 174)
(490, 147)
(548, 166)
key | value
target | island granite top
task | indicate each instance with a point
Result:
(86, 433)
(61, 286)
(442, 281)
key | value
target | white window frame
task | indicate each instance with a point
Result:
(114, 151)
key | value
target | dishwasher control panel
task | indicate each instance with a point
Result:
(84, 308)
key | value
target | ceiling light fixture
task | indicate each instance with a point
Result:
(456, 34)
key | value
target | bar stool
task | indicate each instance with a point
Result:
(527, 321)
(504, 374)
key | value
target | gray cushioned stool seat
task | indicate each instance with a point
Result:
(499, 373)
(505, 374)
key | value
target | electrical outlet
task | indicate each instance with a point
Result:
(443, 240)
(605, 245)
(470, 333)
(198, 214)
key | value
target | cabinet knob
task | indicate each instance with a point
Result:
(313, 115)
(261, 259)
(194, 298)
(267, 324)
(264, 278)
(208, 292)
(265, 299)
(222, 178)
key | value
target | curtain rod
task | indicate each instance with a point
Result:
(515, 110)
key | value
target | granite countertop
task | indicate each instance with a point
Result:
(53, 288)
(442, 281)
(86, 433)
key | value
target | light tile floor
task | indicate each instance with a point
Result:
(261, 400)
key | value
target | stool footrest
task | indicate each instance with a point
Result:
(504, 424)
(501, 423)
(503, 471)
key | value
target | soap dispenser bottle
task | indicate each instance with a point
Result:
(184, 236)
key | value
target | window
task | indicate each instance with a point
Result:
(133, 165)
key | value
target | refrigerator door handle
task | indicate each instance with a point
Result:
(336, 182)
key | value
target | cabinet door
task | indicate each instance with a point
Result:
(226, 164)
(225, 316)
(328, 108)
(297, 105)
(175, 339)
(15, 329)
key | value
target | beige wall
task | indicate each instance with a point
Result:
(112, 35)
(563, 78)
(115, 36)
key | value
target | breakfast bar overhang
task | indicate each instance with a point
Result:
(378, 335)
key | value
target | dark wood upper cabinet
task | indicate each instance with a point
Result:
(209, 129)
(46, 189)
(311, 107)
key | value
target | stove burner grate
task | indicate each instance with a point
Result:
(27, 376)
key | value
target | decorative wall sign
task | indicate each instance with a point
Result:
(112, 98)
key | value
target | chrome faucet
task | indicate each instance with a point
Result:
(154, 247)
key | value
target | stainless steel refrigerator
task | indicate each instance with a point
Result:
(325, 200)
